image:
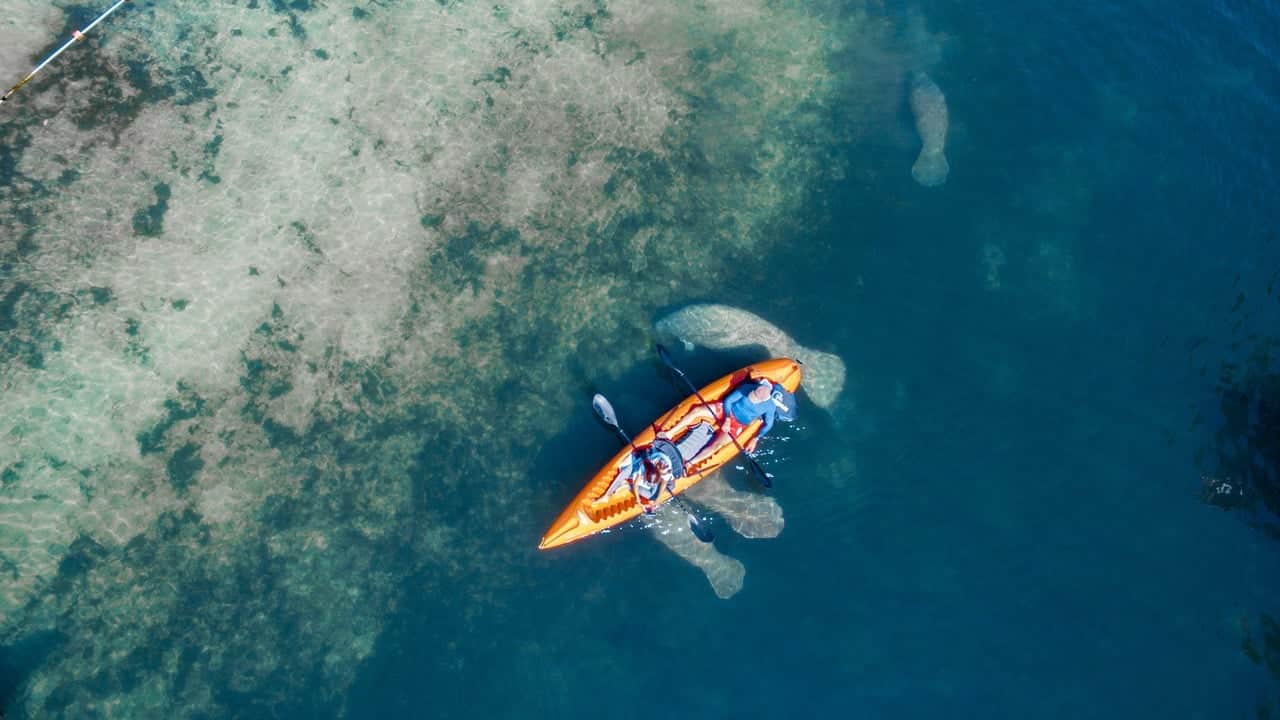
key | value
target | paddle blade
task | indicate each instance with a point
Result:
(602, 407)
(761, 476)
(700, 531)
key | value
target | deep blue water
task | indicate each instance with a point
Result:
(1030, 541)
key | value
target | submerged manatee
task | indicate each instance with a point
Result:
(929, 106)
(723, 572)
(751, 515)
(721, 327)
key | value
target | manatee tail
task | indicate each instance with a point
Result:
(931, 168)
(723, 572)
(823, 375)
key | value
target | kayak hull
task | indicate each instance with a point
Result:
(604, 502)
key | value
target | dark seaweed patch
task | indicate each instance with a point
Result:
(284, 8)
(27, 315)
(1265, 652)
(10, 473)
(9, 303)
(278, 435)
(650, 174)
(309, 240)
(183, 466)
(81, 556)
(268, 369)
(1247, 446)
(296, 29)
(570, 22)
(190, 86)
(106, 104)
(461, 260)
(19, 660)
(149, 221)
(186, 405)
(210, 152)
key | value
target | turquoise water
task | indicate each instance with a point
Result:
(302, 307)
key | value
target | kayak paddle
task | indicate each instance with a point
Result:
(76, 36)
(605, 411)
(761, 476)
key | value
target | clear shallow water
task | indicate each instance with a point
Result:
(236, 481)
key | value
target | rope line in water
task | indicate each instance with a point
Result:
(76, 36)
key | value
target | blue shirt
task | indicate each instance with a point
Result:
(744, 410)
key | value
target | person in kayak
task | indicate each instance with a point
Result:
(750, 400)
(647, 481)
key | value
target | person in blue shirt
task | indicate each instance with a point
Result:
(749, 401)
(745, 404)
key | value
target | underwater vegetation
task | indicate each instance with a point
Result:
(1246, 446)
(269, 269)
(1260, 642)
(1245, 453)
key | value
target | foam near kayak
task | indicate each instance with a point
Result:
(607, 499)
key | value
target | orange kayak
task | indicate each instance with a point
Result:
(608, 499)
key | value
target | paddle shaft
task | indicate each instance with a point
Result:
(634, 450)
(759, 471)
(680, 503)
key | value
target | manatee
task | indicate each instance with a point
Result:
(929, 106)
(723, 572)
(721, 327)
(751, 515)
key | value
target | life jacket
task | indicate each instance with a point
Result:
(657, 470)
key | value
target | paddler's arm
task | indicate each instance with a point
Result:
(764, 429)
(768, 421)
